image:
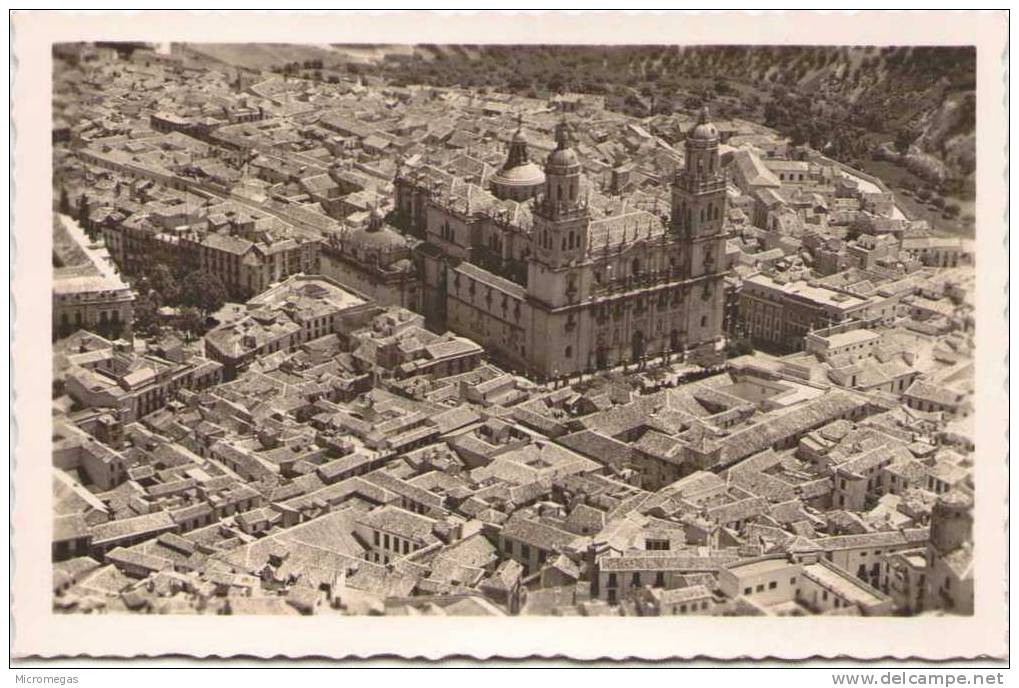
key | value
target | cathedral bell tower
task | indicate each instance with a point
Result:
(698, 201)
(698, 230)
(560, 216)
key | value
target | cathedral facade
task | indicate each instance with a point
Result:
(550, 291)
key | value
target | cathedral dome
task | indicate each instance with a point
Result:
(527, 174)
(519, 178)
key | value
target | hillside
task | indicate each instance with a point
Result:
(847, 100)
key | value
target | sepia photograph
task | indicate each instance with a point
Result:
(534, 330)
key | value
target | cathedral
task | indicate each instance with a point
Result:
(548, 289)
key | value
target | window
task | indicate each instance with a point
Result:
(792, 581)
(682, 609)
(772, 585)
(659, 580)
(635, 578)
(747, 591)
(525, 552)
(612, 579)
(385, 541)
(569, 352)
(760, 588)
(376, 534)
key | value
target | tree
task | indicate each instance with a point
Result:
(146, 314)
(903, 140)
(204, 291)
(161, 279)
(192, 322)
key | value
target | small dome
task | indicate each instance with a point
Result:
(382, 238)
(564, 157)
(705, 130)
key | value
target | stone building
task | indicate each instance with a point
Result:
(550, 289)
(376, 260)
(88, 292)
(950, 554)
(779, 313)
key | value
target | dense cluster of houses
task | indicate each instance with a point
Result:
(331, 447)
